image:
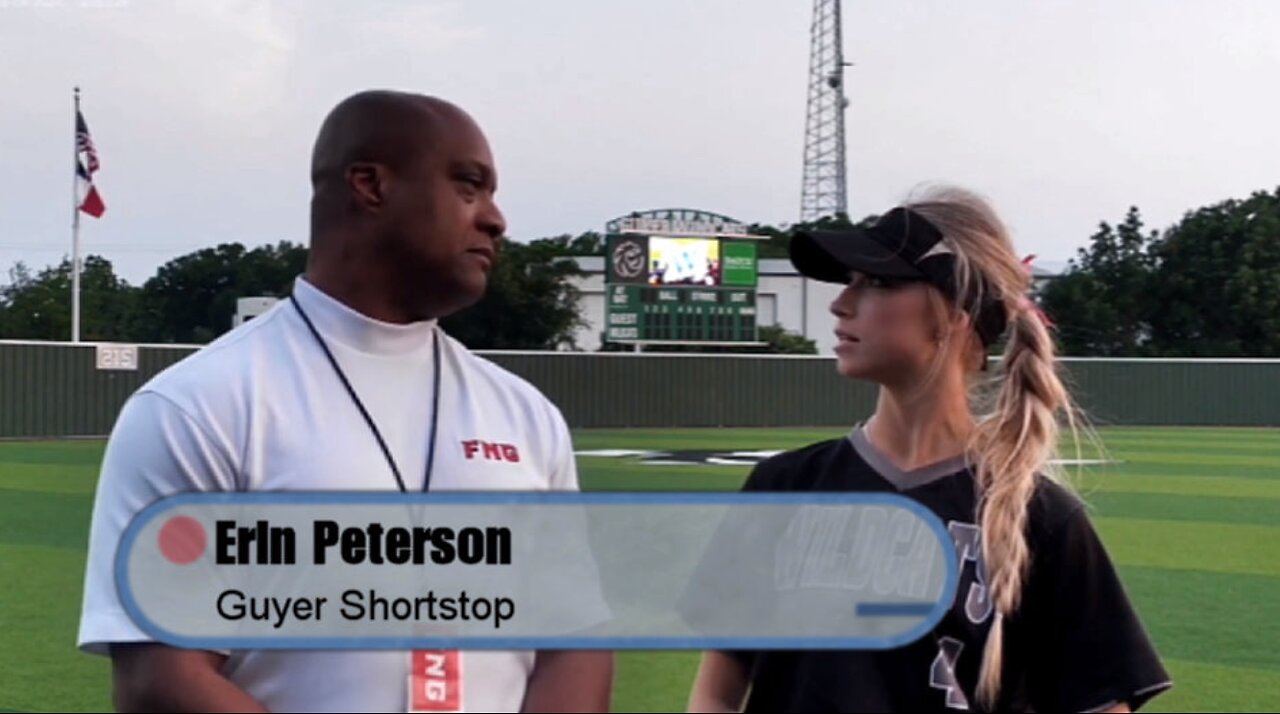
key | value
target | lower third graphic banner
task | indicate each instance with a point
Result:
(491, 570)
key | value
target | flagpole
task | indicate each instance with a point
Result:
(75, 226)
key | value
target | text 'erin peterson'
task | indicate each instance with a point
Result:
(265, 544)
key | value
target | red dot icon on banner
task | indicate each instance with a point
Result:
(182, 540)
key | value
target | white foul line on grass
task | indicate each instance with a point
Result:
(741, 458)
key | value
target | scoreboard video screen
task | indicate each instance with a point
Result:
(680, 289)
(684, 261)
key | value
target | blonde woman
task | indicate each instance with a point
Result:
(1041, 621)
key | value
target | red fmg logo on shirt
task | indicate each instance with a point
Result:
(436, 681)
(490, 451)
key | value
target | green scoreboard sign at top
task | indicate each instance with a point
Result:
(680, 276)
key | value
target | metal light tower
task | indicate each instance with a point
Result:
(823, 189)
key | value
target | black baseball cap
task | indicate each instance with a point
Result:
(900, 245)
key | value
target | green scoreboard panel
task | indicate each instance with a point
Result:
(638, 313)
(680, 289)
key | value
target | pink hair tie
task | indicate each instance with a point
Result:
(1025, 303)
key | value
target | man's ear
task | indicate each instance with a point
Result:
(368, 184)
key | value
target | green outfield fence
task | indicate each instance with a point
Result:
(56, 389)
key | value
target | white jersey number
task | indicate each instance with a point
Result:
(942, 675)
(968, 538)
(978, 606)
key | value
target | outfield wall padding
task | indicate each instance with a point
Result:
(50, 390)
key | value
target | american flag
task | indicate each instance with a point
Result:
(87, 156)
(84, 142)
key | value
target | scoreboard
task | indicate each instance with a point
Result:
(686, 286)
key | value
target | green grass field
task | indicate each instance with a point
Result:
(1192, 517)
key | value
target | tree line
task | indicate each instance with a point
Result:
(1208, 286)
(531, 303)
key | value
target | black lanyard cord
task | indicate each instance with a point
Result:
(355, 398)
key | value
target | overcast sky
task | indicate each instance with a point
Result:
(1064, 113)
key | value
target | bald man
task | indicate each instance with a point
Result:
(349, 384)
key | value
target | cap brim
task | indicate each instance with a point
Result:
(830, 256)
